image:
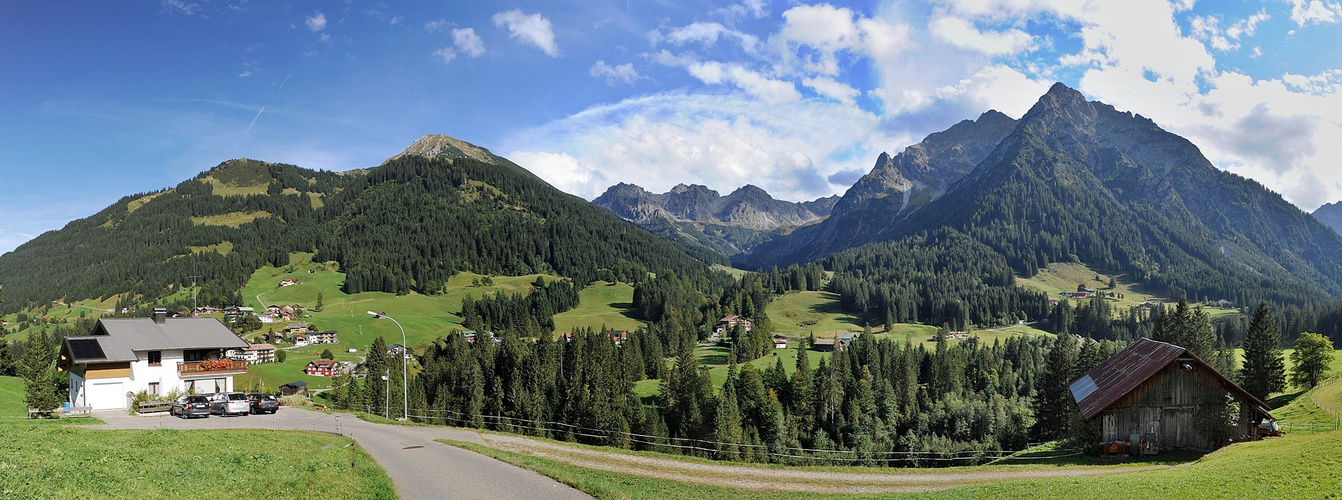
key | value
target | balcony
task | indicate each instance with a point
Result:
(212, 367)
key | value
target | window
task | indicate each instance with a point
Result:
(153, 388)
(155, 358)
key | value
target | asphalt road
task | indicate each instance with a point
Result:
(419, 466)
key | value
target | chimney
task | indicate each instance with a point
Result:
(160, 315)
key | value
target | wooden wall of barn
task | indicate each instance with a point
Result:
(1162, 409)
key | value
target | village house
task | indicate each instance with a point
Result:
(322, 337)
(124, 356)
(728, 323)
(843, 340)
(321, 367)
(292, 388)
(253, 353)
(780, 343)
(293, 328)
(288, 282)
(1154, 395)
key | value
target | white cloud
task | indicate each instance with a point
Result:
(1207, 28)
(829, 88)
(446, 54)
(436, 26)
(768, 89)
(529, 28)
(722, 141)
(245, 74)
(317, 22)
(621, 73)
(704, 33)
(180, 6)
(963, 34)
(469, 42)
(1315, 11)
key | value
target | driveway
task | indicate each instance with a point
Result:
(419, 466)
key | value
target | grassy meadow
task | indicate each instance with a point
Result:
(48, 459)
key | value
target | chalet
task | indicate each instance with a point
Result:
(268, 318)
(293, 388)
(288, 282)
(1151, 394)
(273, 309)
(780, 343)
(843, 340)
(157, 355)
(296, 328)
(253, 353)
(321, 367)
(232, 313)
(322, 337)
(823, 345)
(727, 323)
(619, 336)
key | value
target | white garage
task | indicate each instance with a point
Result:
(106, 395)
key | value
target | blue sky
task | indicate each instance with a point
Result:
(99, 100)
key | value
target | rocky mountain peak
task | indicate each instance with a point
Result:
(442, 146)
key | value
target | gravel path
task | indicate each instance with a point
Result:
(419, 466)
(785, 479)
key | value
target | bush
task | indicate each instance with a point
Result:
(281, 355)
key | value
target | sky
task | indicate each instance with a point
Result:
(100, 100)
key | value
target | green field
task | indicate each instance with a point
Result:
(12, 391)
(804, 313)
(49, 459)
(602, 304)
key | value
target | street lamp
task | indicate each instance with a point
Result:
(405, 385)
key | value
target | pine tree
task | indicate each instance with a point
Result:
(320, 304)
(1264, 369)
(39, 361)
(1053, 404)
(727, 425)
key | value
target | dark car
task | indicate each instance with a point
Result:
(263, 403)
(191, 406)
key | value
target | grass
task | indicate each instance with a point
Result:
(231, 219)
(602, 304)
(45, 459)
(803, 313)
(12, 391)
(229, 189)
(603, 484)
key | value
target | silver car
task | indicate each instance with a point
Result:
(230, 403)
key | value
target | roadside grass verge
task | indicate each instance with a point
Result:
(1300, 467)
(603, 484)
(46, 459)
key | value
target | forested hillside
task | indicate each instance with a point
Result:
(1078, 181)
(404, 226)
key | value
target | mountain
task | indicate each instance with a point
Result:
(1330, 214)
(1078, 181)
(696, 215)
(896, 187)
(439, 207)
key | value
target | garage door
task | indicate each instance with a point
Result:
(106, 396)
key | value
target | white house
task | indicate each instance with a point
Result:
(121, 357)
(253, 353)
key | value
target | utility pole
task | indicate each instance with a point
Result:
(386, 378)
(193, 292)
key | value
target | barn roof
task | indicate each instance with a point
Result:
(1119, 375)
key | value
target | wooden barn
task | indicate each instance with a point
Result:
(1155, 396)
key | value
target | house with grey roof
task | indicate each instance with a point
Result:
(124, 356)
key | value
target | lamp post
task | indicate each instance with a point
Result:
(405, 384)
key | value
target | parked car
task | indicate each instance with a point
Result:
(263, 403)
(191, 406)
(230, 403)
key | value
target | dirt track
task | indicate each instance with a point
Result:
(770, 478)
